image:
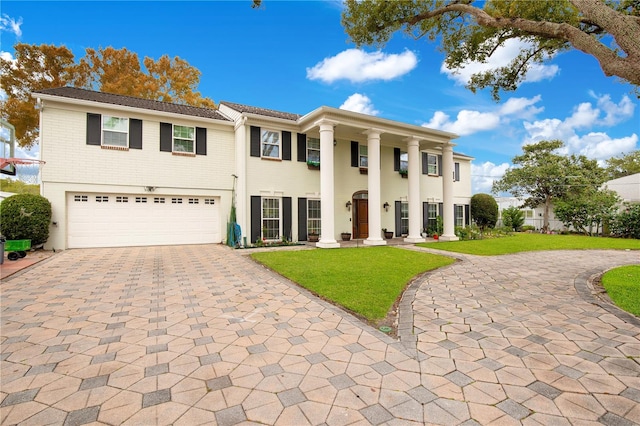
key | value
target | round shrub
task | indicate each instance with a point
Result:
(626, 224)
(25, 217)
(484, 210)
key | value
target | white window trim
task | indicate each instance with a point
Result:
(262, 218)
(406, 162)
(361, 156)
(404, 208)
(313, 149)
(435, 165)
(263, 143)
(460, 217)
(310, 219)
(103, 130)
(173, 139)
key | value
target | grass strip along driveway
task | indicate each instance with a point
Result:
(517, 243)
(623, 287)
(366, 281)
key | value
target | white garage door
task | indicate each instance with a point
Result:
(118, 220)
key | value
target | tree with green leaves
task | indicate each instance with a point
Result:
(110, 70)
(484, 210)
(624, 165)
(541, 176)
(512, 218)
(473, 30)
(586, 210)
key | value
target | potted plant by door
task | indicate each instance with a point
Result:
(387, 234)
(346, 236)
(313, 237)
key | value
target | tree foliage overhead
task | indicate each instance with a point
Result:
(472, 30)
(625, 165)
(110, 70)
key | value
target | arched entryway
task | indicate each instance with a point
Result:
(360, 213)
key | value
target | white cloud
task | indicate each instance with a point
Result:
(359, 103)
(595, 144)
(358, 66)
(469, 121)
(483, 175)
(502, 56)
(9, 24)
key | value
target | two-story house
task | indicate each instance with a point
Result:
(124, 171)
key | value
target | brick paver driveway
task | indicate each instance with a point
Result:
(201, 335)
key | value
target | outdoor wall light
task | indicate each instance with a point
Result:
(149, 188)
(386, 206)
(348, 205)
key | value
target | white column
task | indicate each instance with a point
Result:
(241, 172)
(415, 224)
(448, 233)
(327, 209)
(373, 181)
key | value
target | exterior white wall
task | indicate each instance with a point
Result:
(537, 220)
(73, 166)
(627, 187)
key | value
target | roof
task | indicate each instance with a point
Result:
(261, 111)
(130, 101)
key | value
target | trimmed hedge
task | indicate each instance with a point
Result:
(25, 217)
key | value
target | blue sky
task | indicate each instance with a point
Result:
(294, 56)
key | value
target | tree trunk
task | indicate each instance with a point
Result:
(545, 219)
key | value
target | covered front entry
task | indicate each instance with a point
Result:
(360, 215)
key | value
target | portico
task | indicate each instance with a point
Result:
(368, 135)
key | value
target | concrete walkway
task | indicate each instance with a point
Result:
(201, 335)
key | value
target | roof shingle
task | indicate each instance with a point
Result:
(262, 111)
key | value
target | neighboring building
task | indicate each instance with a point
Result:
(627, 188)
(532, 217)
(4, 195)
(124, 171)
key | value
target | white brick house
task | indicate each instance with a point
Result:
(124, 171)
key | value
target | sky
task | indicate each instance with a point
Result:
(295, 56)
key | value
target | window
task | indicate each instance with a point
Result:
(102, 199)
(432, 218)
(313, 151)
(432, 164)
(80, 198)
(176, 201)
(404, 218)
(122, 199)
(115, 131)
(363, 156)
(270, 218)
(528, 214)
(209, 201)
(313, 216)
(270, 141)
(184, 139)
(194, 201)
(404, 162)
(459, 214)
(158, 200)
(141, 200)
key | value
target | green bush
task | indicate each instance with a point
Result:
(512, 218)
(626, 224)
(526, 228)
(484, 210)
(25, 217)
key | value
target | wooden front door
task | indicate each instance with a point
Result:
(362, 219)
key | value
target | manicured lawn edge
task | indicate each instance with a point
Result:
(622, 285)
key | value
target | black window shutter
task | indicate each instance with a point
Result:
(256, 217)
(398, 208)
(425, 163)
(425, 215)
(135, 133)
(439, 165)
(396, 159)
(287, 218)
(286, 145)
(354, 154)
(302, 219)
(254, 150)
(302, 147)
(166, 137)
(201, 141)
(94, 131)
(440, 209)
(456, 172)
(467, 215)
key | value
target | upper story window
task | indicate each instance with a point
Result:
(404, 161)
(432, 164)
(270, 141)
(184, 139)
(313, 150)
(115, 131)
(363, 156)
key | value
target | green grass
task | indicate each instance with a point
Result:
(533, 242)
(366, 281)
(623, 287)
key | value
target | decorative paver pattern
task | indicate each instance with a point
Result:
(191, 335)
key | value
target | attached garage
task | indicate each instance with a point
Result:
(117, 220)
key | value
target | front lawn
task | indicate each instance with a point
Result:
(366, 281)
(623, 287)
(520, 242)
